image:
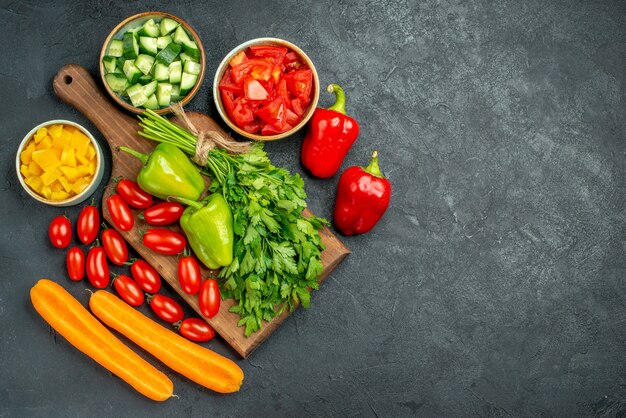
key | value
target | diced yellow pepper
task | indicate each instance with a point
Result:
(50, 176)
(35, 183)
(46, 192)
(92, 167)
(66, 184)
(41, 134)
(91, 152)
(69, 130)
(34, 169)
(80, 142)
(60, 195)
(71, 173)
(24, 170)
(80, 185)
(55, 131)
(83, 170)
(45, 143)
(46, 159)
(27, 153)
(56, 186)
(63, 141)
(82, 159)
(67, 156)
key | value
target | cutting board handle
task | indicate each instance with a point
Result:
(76, 87)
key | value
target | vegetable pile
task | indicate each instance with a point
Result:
(153, 65)
(277, 251)
(266, 89)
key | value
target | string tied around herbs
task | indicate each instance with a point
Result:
(209, 139)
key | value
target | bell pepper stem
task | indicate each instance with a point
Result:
(373, 167)
(142, 157)
(340, 101)
(187, 202)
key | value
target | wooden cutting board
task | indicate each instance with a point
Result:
(75, 86)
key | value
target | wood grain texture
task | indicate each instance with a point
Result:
(75, 86)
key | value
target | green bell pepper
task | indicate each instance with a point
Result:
(209, 229)
(168, 172)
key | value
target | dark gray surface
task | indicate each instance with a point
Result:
(495, 284)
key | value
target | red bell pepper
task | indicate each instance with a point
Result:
(362, 198)
(331, 134)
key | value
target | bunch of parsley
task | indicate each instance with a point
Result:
(277, 251)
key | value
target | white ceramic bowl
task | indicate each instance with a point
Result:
(221, 69)
(88, 191)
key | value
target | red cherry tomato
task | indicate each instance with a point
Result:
(97, 268)
(120, 212)
(164, 241)
(75, 261)
(189, 275)
(146, 276)
(60, 232)
(88, 224)
(164, 213)
(128, 290)
(195, 329)
(115, 246)
(209, 298)
(133, 194)
(166, 308)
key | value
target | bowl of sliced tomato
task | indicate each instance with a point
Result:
(266, 89)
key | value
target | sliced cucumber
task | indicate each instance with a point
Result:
(148, 45)
(137, 95)
(144, 62)
(175, 93)
(110, 63)
(168, 26)
(117, 82)
(116, 48)
(131, 49)
(180, 36)
(150, 88)
(176, 72)
(150, 29)
(184, 58)
(145, 79)
(168, 54)
(163, 41)
(132, 72)
(191, 49)
(152, 103)
(161, 72)
(187, 82)
(192, 67)
(120, 63)
(164, 94)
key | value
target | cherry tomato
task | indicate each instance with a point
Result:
(195, 329)
(133, 194)
(115, 246)
(88, 224)
(60, 232)
(164, 241)
(120, 212)
(128, 290)
(209, 298)
(75, 261)
(189, 275)
(164, 213)
(97, 268)
(166, 308)
(146, 276)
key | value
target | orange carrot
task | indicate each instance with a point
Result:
(193, 361)
(70, 319)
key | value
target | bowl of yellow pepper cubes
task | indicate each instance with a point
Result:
(59, 163)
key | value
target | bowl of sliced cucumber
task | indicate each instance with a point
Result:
(152, 60)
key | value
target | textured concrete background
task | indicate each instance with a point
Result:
(495, 284)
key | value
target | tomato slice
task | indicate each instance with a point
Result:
(257, 68)
(268, 51)
(253, 127)
(227, 84)
(291, 118)
(228, 100)
(300, 84)
(298, 107)
(242, 113)
(254, 90)
(273, 113)
(271, 130)
(290, 57)
(281, 91)
(238, 59)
